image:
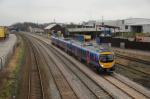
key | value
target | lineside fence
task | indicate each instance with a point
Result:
(125, 43)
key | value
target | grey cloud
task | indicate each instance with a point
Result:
(70, 10)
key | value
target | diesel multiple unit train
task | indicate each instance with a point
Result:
(101, 58)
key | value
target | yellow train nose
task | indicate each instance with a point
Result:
(106, 65)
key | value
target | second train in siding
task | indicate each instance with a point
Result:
(101, 58)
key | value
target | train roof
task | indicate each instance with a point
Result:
(92, 47)
(86, 46)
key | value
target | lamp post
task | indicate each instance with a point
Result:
(96, 31)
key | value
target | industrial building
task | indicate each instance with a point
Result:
(54, 28)
(35, 30)
(84, 31)
(94, 31)
(135, 25)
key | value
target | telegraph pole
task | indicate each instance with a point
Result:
(102, 20)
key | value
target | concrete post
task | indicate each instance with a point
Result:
(122, 45)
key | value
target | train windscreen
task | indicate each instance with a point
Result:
(106, 58)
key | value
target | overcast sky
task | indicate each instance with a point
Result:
(44, 11)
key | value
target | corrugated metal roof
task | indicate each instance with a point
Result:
(83, 29)
(50, 26)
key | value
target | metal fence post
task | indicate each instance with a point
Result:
(1, 63)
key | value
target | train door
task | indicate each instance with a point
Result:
(76, 51)
(88, 57)
(66, 46)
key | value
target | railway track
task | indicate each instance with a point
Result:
(133, 93)
(34, 84)
(51, 85)
(136, 70)
(64, 89)
(135, 75)
(92, 86)
(35, 81)
(133, 59)
(106, 82)
(83, 86)
(143, 67)
(130, 91)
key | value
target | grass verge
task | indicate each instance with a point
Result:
(10, 84)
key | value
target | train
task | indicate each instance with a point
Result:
(3, 32)
(102, 59)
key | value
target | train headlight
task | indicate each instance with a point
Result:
(113, 65)
(102, 65)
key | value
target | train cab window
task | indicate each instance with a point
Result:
(106, 58)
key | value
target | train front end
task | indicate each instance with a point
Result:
(107, 61)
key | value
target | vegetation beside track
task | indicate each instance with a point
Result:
(10, 80)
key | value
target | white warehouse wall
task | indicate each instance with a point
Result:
(145, 23)
(130, 22)
(146, 28)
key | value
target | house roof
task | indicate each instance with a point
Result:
(50, 26)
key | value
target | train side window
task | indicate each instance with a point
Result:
(79, 51)
(95, 57)
(92, 56)
(84, 53)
